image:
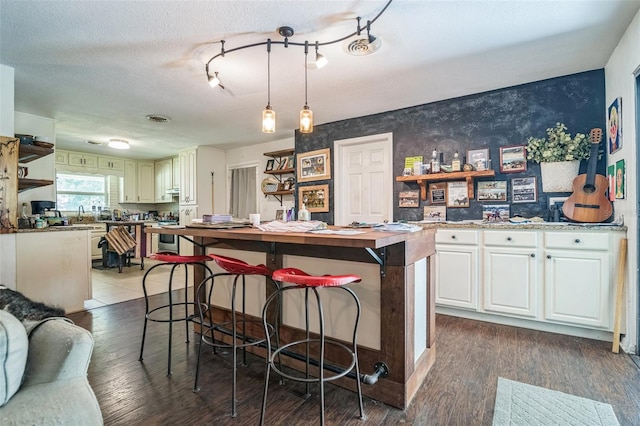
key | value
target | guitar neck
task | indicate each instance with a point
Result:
(593, 164)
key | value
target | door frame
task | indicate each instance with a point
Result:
(339, 179)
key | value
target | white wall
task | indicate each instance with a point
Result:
(620, 82)
(7, 241)
(253, 154)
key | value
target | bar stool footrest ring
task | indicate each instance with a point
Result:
(175, 305)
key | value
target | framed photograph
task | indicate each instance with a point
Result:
(620, 179)
(435, 214)
(495, 212)
(611, 177)
(270, 164)
(280, 214)
(457, 194)
(286, 185)
(315, 197)
(438, 193)
(314, 165)
(478, 158)
(409, 199)
(513, 159)
(283, 163)
(524, 190)
(492, 190)
(614, 125)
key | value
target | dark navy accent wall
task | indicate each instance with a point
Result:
(487, 120)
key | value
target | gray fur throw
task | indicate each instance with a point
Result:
(24, 308)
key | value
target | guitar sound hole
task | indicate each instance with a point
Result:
(589, 189)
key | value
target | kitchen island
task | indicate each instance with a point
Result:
(397, 326)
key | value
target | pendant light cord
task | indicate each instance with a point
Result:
(269, 72)
(306, 53)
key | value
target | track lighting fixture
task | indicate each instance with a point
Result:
(306, 115)
(268, 115)
(359, 46)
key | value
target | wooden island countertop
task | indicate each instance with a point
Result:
(406, 302)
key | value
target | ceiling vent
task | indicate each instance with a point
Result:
(158, 118)
(361, 46)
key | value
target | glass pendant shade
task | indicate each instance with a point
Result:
(268, 120)
(306, 120)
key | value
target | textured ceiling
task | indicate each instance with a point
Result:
(99, 67)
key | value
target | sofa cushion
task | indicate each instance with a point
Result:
(14, 345)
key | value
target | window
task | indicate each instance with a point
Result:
(77, 189)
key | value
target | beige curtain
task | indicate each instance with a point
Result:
(243, 192)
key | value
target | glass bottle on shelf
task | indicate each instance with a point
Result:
(455, 163)
(435, 162)
(24, 211)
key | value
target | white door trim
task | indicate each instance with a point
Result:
(338, 149)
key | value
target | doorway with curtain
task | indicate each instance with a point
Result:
(243, 198)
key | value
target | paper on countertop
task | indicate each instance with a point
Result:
(337, 231)
(398, 227)
(294, 226)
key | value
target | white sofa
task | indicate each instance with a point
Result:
(54, 389)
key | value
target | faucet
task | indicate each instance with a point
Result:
(80, 208)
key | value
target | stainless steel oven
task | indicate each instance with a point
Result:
(168, 242)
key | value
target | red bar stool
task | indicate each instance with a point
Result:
(310, 283)
(174, 260)
(237, 268)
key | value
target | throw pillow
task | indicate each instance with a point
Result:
(13, 355)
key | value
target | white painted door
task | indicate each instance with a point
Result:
(363, 179)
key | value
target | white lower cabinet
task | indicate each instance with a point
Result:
(456, 268)
(579, 279)
(510, 273)
(561, 278)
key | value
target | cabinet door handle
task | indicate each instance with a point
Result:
(453, 237)
(533, 255)
(508, 238)
(548, 256)
(577, 240)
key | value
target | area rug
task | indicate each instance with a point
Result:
(522, 404)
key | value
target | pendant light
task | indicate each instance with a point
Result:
(268, 115)
(306, 115)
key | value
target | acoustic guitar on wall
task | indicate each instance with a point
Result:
(589, 202)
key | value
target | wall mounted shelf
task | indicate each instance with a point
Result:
(277, 173)
(28, 153)
(469, 177)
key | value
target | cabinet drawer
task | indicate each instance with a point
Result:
(457, 236)
(511, 238)
(577, 240)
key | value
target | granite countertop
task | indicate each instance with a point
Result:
(479, 224)
(77, 227)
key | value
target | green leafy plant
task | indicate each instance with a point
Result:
(558, 146)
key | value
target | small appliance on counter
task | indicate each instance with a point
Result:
(43, 208)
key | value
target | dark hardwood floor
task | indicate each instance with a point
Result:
(459, 390)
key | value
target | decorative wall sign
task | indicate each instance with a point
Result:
(492, 190)
(315, 197)
(495, 212)
(409, 198)
(620, 179)
(314, 165)
(513, 159)
(524, 190)
(614, 125)
(438, 193)
(457, 194)
(435, 214)
(611, 177)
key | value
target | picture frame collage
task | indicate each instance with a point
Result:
(314, 166)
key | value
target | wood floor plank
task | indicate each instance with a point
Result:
(459, 390)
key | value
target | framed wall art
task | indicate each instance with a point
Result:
(496, 212)
(438, 193)
(492, 190)
(314, 197)
(620, 179)
(314, 165)
(409, 199)
(524, 190)
(457, 194)
(270, 164)
(611, 177)
(435, 214)
(478, 158)
(513, 159)
(614, 125)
